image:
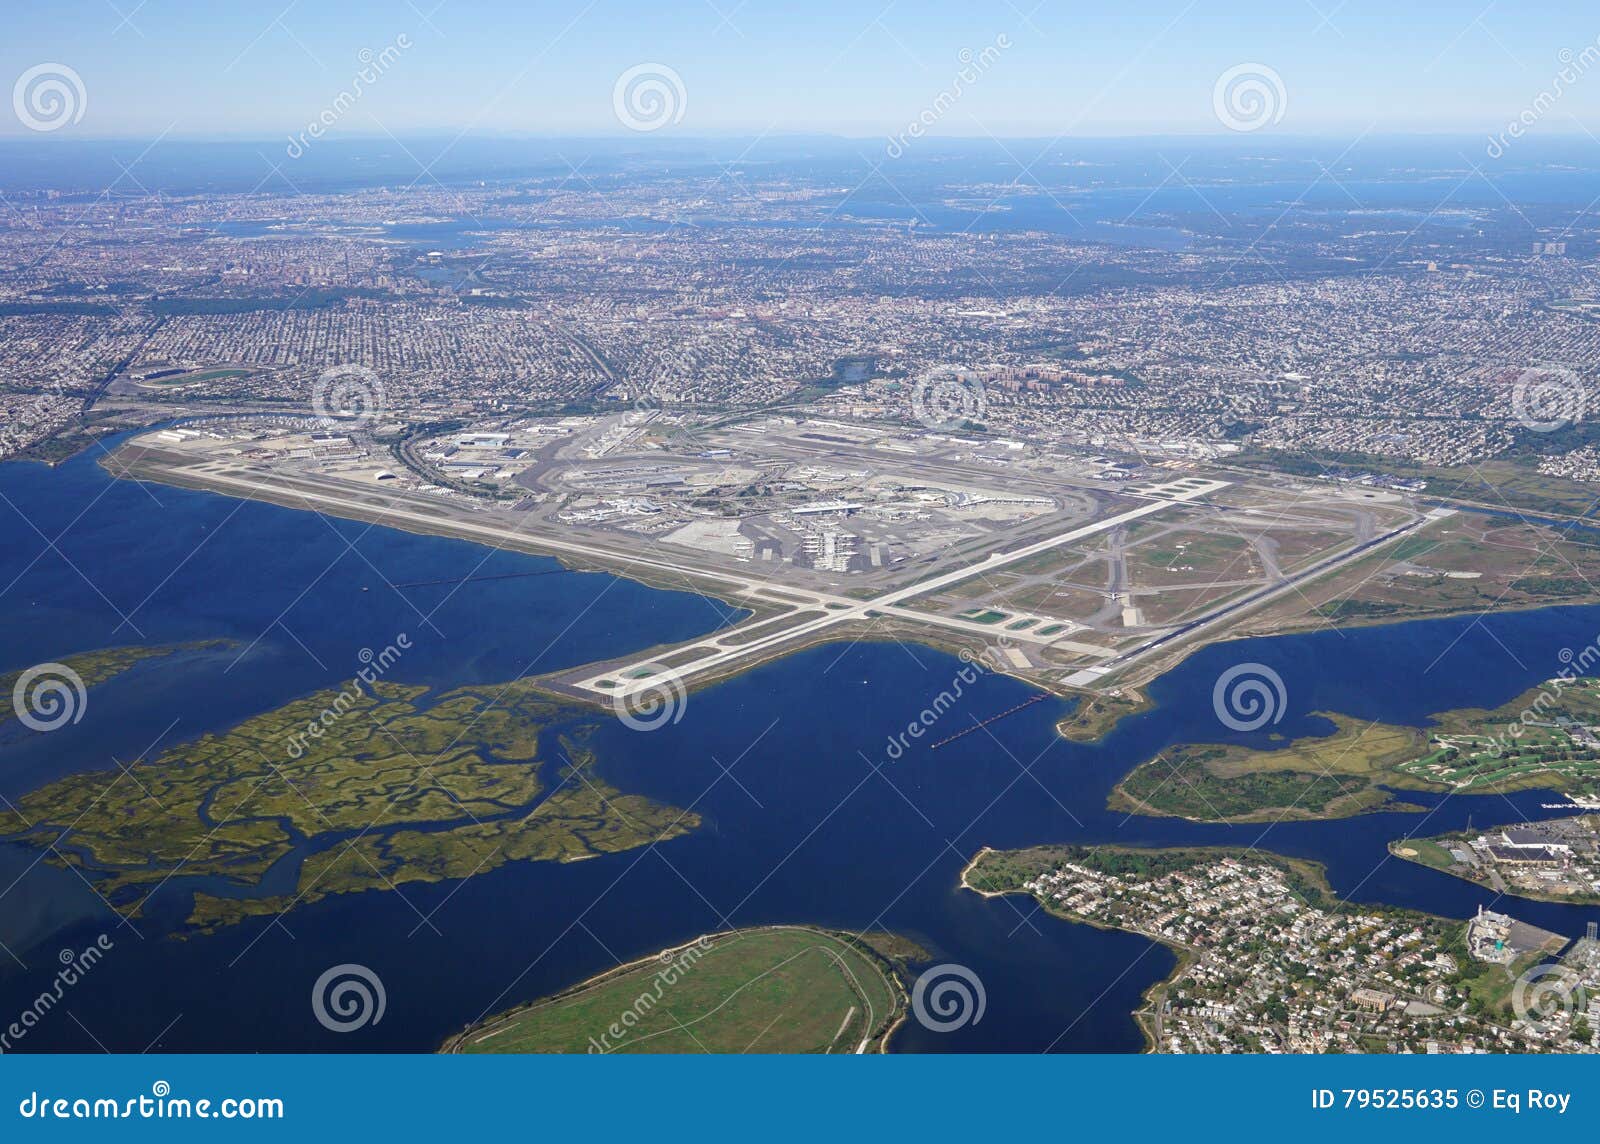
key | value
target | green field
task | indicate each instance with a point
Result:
(1423, 851)
(781, 989)
(1098, 713)
(1465, 563)
(1413, 547)
(1190, 556)
(1512, 482)
(982, 616)
(1522, 743)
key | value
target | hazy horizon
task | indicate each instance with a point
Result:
(723, 69)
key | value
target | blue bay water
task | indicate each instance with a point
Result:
(806, 817)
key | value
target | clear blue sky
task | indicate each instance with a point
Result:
(862, 67)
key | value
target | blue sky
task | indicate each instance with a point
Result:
(267, 69)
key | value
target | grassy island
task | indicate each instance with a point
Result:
(1542, 738)
(776, 989)
(101, 666)
(398, 786)
(1328, 777)
(1097, 714)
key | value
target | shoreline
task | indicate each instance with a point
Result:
(1398, 847)
(1143, 1015)
(713, 585)
(1313, 871)
(1097, 723)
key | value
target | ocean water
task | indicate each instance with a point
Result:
(807, 818)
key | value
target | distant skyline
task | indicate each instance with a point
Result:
(144, 68)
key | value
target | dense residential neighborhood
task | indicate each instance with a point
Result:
(1263, 969)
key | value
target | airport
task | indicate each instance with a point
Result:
(1073, 570)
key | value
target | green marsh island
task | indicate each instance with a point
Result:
(94, 668)
(1545, 737)
(401, 785)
